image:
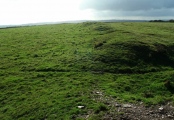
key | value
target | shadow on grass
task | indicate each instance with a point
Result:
(171, 89)
(170, 86)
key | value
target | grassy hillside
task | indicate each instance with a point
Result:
(46, 72)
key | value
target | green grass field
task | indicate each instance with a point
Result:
(47, 71)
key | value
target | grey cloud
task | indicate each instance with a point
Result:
(149, 8)
(150, 13)
(126, 5)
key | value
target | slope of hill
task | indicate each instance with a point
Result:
(59, 71)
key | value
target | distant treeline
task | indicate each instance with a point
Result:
(162, 20)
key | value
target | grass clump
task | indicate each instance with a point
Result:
(101, 107)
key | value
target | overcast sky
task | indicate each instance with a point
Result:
(34, 11)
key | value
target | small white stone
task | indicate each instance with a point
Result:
(80, 107)
(127, 106)
(161, 108)
(118, 105)
(169, 116)
(87, 116)
(162, 116)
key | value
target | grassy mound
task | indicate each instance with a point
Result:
(133, 57)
